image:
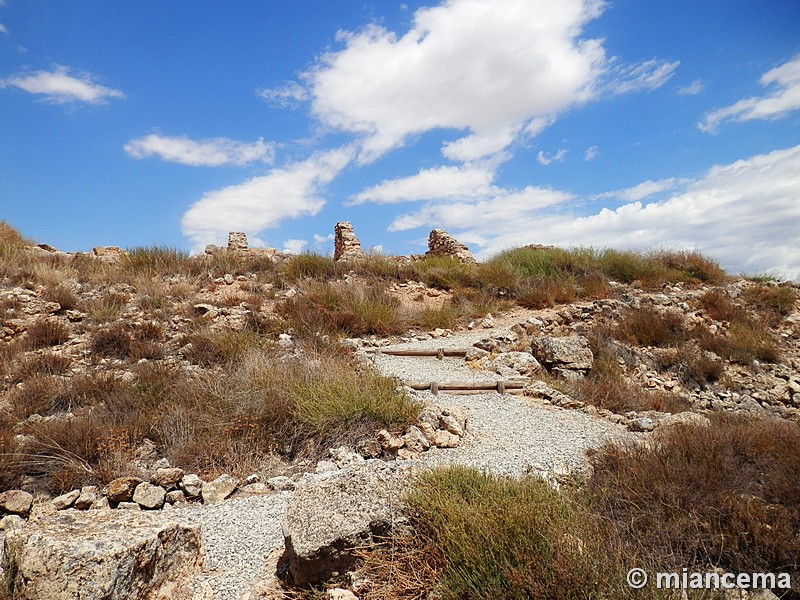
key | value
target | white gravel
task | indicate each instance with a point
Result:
(238, 536)
(512, 435)
(427, 369)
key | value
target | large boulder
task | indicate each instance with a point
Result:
(333, 514)
(114, 555)
(570, 352)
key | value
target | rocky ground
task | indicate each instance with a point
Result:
(237, 533)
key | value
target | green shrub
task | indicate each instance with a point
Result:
(485, 536)
(445, 272)
(158, 261)
(309, 266)
(342, 308)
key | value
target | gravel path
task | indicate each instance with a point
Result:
(238, 536)
(512, 435)
(506, 434)
(427, 369)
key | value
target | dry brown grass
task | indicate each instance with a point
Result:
(647, 326)
(45, 332)
(342, 308)
(724, 495)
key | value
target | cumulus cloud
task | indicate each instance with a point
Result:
(321, 239)
(643, 190)
(211, 152)
(545, 158)
(437, 183)
(289, 95)
(294, 246)
(264, 202)
(693, 89)
(60, 87)
(486, 68)
(743, 214)
(591, 153)
(783, 100)
(494, 215)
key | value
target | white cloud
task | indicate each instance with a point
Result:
(693, 89)
(3, 28)
(591, 153)
(59, 87)
(321, 239)
(288, 95)
(294, 246)
(647, 75)
(212, 152)
(264, 202)
(785, 99)
(483, 67)
(428, 184)
(545, 158)
(643, 190)
(494, 215)
(744, 214)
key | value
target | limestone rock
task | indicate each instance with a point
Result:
(389, 441)
(281, 483)
(569, 352)
(685, 418)
(192, 485)
(445, 439)
(121, 489)
(441, 243)
(370, 448)
(65, 500)
(10, 522)
(16, 502)
(167, 478)
(101, 555)
(415, 440)
(346, 244)
(451, 424)
(216, 491)
(642, 424)
(330, 516)
(148, 496)
(513, 364)
(109, 253)
(87, 497)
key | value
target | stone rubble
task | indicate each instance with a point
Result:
(441, 243)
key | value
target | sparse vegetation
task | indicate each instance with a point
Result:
(47, 332)
(197, 365)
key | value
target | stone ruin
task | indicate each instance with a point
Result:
(237, 242)
(441, 243)
(346, 244)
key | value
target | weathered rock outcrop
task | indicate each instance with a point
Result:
(101, 555)
(15, 502)
(570, 352)
(441, 243)
(334, 513)
(346, 245)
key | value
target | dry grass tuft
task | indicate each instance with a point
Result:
(44, 333)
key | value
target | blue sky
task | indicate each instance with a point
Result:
(627, 123)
